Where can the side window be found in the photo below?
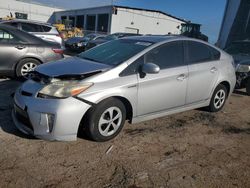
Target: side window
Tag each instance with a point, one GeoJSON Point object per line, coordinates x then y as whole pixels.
{"type": "Point", "coordinates": [46, 28]}
{"type": "Point", "coordinates": [6, 37]}
{"type": "Point", "coordinates": [199, 52]}
{"type": "Point", "coordinates": [31, 27]}
{"type": "Point", "coordinates": [13, 24]}
{"type": "Point", "coordinates": [133, 67]}
{"type": "Point", "coordinates": [167, 56]}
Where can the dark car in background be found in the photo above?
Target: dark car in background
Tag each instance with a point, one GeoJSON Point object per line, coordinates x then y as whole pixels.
{"type": "Point", "coordinates": [78, 44]}
{"type": "Point", "coordinates": [240, 50]}
{"type": "Point", "coordinates": [111, 37]}
{"type": "Point", "coordinates": [22, 52]}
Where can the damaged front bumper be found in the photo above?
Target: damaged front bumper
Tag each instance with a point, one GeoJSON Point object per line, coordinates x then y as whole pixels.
{"type": "Point", "coordinates": [49, 119]}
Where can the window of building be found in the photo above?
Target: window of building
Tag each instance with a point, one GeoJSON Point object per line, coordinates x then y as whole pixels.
{"type": "Point", "coordinates": [63, 19]}
{"type": "Point", "coordinates": [103, 21]}
{"type": "Point", "coordinates": [21, 15]}
{"type": "Point", "coordinates": [91, 22]}
{"type": "Point", "coordinates": [80, 21]}
{"type": "Point", "coordinates": [72, 20]}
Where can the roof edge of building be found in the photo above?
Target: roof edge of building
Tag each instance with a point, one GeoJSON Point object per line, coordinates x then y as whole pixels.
{"type": "Point", "coordinates": [127, 7]}
{"type": "Point", "coordinates": [41, 4]}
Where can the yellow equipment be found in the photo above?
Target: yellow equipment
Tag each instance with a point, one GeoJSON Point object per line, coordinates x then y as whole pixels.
{"type": "Point", "coordinates": [68, 32]}
{"type": "Point", "coordinates": [8, 18]}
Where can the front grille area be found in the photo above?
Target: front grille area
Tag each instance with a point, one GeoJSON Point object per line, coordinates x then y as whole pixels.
{"type": "Point", "coordinates": [22, 117]}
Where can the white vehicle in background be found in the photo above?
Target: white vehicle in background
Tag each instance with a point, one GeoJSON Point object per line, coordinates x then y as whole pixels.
{"type": "Point", "coordinates": [42, 30]}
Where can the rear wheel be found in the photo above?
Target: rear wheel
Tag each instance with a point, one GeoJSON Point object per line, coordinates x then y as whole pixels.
{"type": "Point", "coordinates": [218, 99]}
{"type": "Point", "coordinates": [106, 120]}
{"type": "Point", "coordinates": [248, 87]}
{"type": "Point", "coordinates": [25, 66]}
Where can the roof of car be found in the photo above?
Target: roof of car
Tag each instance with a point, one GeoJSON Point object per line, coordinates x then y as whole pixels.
{"type": "Point", "coordinates": [26, 21]}
{"type": "Point", "coordinates": [21, 34]}
{"type": "Point", "coordinates": [155, 38]}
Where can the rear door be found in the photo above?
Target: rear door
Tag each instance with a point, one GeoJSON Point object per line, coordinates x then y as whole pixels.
{"type": "Point", "coordinates": [203, 62]}
{"type": "Point", "coordinates": [12, 49]}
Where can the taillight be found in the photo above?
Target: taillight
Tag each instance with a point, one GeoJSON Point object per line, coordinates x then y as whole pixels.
{"type": "Point", "coordinates": [58, 50]}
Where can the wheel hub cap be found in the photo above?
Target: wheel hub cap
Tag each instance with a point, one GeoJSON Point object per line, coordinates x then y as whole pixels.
{"type": "Point", "coordinates": [110, 121]}
{"type": "Point", "coordinates": [28, 67]}
{"type": "Point", "coordinates": [219, 99]}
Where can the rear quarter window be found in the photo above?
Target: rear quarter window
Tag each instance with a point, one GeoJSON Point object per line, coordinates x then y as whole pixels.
{"type": "Point", "coordinates": [28, 27]}
{"type": "Point", "coordinates": [46, 28]}
{"type": "Point", "coordinates": [13, 24]}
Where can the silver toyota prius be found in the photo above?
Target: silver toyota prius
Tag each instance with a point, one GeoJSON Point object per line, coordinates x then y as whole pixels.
{"type": "Point", "coordinates": [134, 79]}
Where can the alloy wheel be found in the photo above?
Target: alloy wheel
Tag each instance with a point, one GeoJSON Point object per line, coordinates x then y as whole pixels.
{"type": "Point", "coordinates": [219, 99]}
{"type": "Point", "coordinates": [27, 67]}
{"type": "Point", "coordinates": [110, 121]}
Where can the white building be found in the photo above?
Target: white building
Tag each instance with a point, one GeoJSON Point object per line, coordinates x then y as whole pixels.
{"type": "Point", "coordinates": [111, 19]}
{"type": "Point", "coordinates": [236, 22]}
{"type": "Point", "coordinates": [26, 10]}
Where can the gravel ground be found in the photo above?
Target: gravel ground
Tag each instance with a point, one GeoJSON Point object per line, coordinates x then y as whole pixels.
{"type": "Point", "coordinates": [191, 149]}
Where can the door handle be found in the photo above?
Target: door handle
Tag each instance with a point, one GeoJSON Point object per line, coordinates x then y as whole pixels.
{"type": "Point", "coordinates": [19, 47]}
{"type": "Point", "coordinates": [213, 70]}
{"type": "Point", "coordinates": [181, 77]}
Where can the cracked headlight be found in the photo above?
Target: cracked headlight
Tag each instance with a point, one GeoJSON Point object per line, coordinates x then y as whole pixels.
{"type": "Point", "coordinates": [243, 68]}
{"type": "Point", "coordinates": [63, 89]}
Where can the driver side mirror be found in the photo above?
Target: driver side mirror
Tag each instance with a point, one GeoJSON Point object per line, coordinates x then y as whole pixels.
{"type": "Point", "coordinates": [150, 68]}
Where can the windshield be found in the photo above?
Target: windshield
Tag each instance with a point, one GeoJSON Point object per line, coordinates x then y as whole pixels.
{"type": "Point", "coordinates": [241, 48]}
{"type": "Point", "coordinates": [115, 52]}
{"type": "Point", "coordinates": [111, 37]}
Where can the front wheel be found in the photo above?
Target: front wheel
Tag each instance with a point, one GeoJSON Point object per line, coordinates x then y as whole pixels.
{"type": "Point", "coordinates": [218, 99]}
{"type": "Point", "coordinates": [106, 120]}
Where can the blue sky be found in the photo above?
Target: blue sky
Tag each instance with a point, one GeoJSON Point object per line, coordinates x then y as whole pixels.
{"type": "Point", "coordinates": [209, 13]}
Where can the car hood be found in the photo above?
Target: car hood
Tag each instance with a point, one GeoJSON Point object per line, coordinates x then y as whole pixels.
{"type": "Point", "coordinates": [73, 66]}
{"type": "Point", "coordinates": [75, 40]}
{"type": "Point", "coordinates": [99, 41]}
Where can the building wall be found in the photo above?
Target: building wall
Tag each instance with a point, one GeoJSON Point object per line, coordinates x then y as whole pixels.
{"type": "Point", "coordinates": [35, 11]}
{"type": "Point", "coordinates": [57, 17]}
{"type": "Point", "coordinates": [145, 22]}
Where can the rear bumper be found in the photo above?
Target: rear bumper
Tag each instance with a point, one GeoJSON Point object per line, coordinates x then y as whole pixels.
{"type": "Point", "coordinates": [49, 119]}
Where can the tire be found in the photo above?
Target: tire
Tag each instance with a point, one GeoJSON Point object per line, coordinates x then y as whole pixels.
{"type": "Point", "coordinates": [218, 99]}
{"type": "Point", "coordinates": [248, 87]}
{"type": "Point", "coordinates": [27, 64]}
{"type": "Point", "coordinates": [101, 132]}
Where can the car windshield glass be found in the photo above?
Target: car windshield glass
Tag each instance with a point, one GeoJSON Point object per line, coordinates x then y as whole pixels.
{"type": "Point", "coordinates": [111, 37]}
{"type": "Point", "coordinates": [89, 37]}
{"type": "Point", "coordinates": [239, 48]}
{"type": "Point", "coordinates": [115, 52]}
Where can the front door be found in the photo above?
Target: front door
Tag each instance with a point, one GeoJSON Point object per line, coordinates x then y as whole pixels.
{"type": "Point", "coordinates": [167, 89]}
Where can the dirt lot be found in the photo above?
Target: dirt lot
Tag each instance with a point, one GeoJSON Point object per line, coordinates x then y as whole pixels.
{"type": "Point", "coordinates": [192, 149]}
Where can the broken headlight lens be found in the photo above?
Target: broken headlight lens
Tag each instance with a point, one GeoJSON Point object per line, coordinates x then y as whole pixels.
{"type": "Point", "coordinates": [64, 89]}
